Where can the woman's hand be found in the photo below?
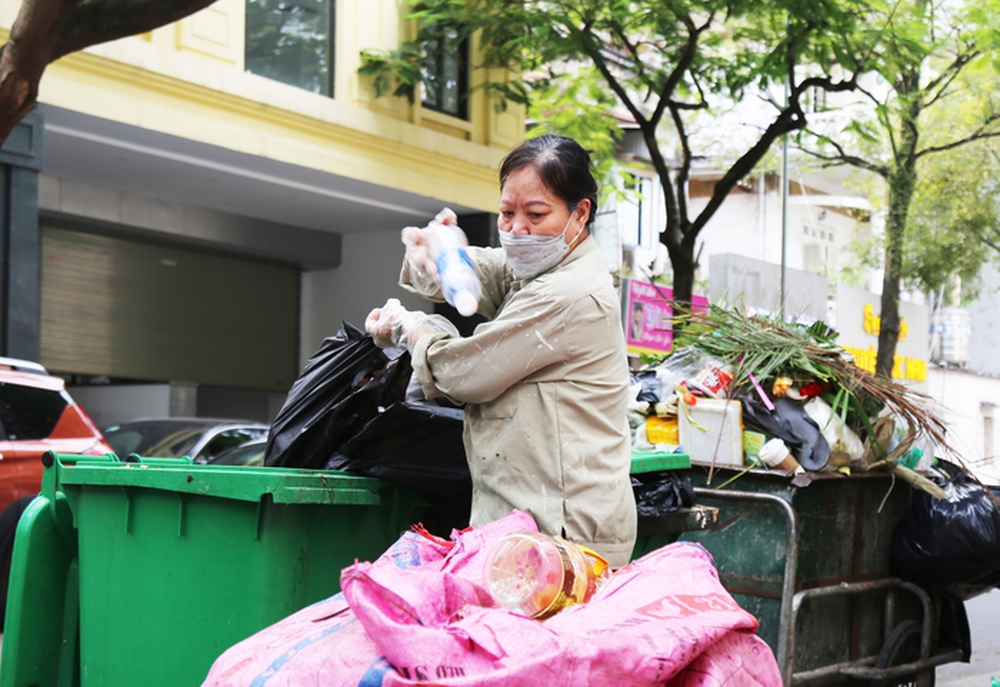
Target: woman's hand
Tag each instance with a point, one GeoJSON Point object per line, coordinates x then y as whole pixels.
{"type": "Point", "coordinates": [393, 326]}
{"type": "Point", "coordinates": [385, 324]}
{"type": "Point", "coordinates": [418, 252]}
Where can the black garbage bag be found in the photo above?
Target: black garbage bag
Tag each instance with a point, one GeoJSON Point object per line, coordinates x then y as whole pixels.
{"type": "Point", "coordinates": [662, 492]}
{"type": "Point", "coordinates": [343, 386]}
{"type": "Point", "coordinates": [950, 544]}
{"type": "Point", "coordinates": [417, 444]}
{"type": "Point", "coordinates": [789, 422]}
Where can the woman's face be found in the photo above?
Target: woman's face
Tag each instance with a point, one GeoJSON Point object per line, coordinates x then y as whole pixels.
{"type": "Point", "coordinates": [528, 206]}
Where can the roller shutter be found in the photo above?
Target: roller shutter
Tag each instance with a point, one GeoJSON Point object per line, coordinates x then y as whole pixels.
{"type": "Point", "coordinates": [140, 310]}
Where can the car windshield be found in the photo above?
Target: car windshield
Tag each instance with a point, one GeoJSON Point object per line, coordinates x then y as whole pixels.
{"type": "Point", "coordinates": [251, 454]}
{"type": "Point", "coordinates": [143, 437]}
{"type": "Point", "coordinates": [201, 440]}
{"type": "Point", "coordinates": [177, 444]}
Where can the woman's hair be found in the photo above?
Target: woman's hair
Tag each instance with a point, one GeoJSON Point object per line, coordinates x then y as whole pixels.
{"type": "Point", "coordinates": [562, 164]}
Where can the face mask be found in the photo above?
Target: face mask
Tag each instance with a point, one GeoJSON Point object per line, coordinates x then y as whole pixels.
{"type": "Point", "coordinates": [528, 255]}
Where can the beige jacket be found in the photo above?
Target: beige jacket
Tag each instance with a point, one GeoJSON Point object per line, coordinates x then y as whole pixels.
{"type": "Point", "coordinates": [545, 384]}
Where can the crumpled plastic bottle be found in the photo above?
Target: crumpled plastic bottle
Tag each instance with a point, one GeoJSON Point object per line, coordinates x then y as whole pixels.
{"type": "Point", "coordinates": [539, 575]}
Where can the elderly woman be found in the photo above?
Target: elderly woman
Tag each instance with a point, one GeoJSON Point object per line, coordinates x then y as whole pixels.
{"type": "Point", "coordinates": [544, 381]}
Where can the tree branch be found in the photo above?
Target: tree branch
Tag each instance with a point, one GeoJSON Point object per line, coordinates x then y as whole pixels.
{"type": "Point", "coordinates": [979, 135]}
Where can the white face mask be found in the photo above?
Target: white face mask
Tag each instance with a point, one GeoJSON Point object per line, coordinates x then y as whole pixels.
{"type": "Point", "coordinates": [528, 255]}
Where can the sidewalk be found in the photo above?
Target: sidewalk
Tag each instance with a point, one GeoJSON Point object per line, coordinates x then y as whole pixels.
{"type": "Point", "coordinates": [984, 624]}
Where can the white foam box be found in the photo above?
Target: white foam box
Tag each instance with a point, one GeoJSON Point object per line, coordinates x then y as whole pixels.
{"type": "Point", "coordinates": [723, 440]}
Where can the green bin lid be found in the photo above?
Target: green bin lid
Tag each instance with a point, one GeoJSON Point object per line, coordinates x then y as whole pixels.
{"type": "Point", "coordinates": [285, 485]}
{"type": "Point", "coordinates": [653, 461]}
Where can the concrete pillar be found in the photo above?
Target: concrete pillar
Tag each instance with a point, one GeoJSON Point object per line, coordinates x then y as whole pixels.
{"type": "Point", "coordinates": [20, 240]}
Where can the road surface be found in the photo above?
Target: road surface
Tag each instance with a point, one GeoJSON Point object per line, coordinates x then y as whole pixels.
{"type": "Point", "coordinates": [984, 623]}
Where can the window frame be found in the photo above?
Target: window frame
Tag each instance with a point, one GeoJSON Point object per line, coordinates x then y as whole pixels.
{"type": "Point", "coordinates": [437, 59]}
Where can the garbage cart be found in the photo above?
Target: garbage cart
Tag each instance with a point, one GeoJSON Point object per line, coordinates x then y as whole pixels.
{"type": "Point", "coordinates": [811, 562]}
{"type": "Point", "coordinates": [143, 572]}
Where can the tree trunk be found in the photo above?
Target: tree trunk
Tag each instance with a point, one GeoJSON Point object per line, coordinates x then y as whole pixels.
{"type": "Point", "coordinates": [902, 181]}
{"type": "Point", "coordinates": [900, 194]}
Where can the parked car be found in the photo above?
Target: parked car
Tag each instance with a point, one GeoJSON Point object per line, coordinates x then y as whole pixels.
{"type": "Point", "coordinates": [200, 438]}
{"type": "Point", "coordinates": [250, 454]}
{"type": "Point", "coordinates": [37, 415]}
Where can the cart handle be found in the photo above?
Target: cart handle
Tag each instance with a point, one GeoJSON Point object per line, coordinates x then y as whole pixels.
{"type": "Point", "coordinates": [787, 620]}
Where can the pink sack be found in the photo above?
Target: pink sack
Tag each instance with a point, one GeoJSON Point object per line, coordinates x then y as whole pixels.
{"type": "Point", "coordinates": [663, 619]}
{"type": "Point", "coordinates": [419, 615]}
{"type": "Point", "coordinates": [324, 645]}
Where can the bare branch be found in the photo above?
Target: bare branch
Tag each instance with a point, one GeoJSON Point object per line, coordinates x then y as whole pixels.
{"type": "Point", "coordinates": [843, 158]}
{"type": "Point", "coordinates": [979, 135]}
{"type": "Point", "coordinates": [947, 77]}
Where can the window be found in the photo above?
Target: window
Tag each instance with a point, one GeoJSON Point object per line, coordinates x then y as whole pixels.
{"type": "Point", "coordinates": [642, 213]}
{"type": "Point", "coordinates": [29, 413]}
{"type": "Point", "coordinates": [292, 41]}
{"type": "Point", "coordinates": [446, 72]}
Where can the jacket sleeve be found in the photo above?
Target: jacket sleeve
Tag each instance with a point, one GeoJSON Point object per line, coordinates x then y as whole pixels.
{"type": "Point", "coordinates": [528, 337]}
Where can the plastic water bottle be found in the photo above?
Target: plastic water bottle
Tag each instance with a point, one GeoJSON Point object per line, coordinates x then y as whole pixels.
{"type": "Point", "coordinates": [447, 244]}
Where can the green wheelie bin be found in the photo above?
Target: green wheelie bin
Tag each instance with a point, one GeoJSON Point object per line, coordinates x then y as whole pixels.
{"type": "Point", "coordinates": [143, 572]}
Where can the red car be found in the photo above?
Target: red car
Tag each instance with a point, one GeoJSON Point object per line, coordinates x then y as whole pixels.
{"type": "Point", "coordinates": [37, 415]}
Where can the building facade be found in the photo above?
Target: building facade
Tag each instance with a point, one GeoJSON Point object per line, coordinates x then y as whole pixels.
{"type": "Point", "coordinates": [196, 208]}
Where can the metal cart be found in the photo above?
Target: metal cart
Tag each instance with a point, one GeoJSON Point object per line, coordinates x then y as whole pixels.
{"type": "Point", "coordinates": [811, 562]}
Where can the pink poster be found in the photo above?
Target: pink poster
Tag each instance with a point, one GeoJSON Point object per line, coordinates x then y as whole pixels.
{"type": "Point", "coordinates": [648, 316]}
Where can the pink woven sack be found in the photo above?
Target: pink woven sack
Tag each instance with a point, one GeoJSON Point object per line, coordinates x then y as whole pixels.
{"type": "Point", "coordinates": [419, 615]}
{"type": "Point", "coordinates": [652, 623]}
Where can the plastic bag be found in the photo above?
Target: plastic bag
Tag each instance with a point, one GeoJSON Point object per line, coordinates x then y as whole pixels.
{"type": "Point", "coordinates": [341, 388]}
{"type": "Point", "coordinates": [418, 445]}
{"type": "Point", "coordinates": [659, 493]}
{"type": "Point", "coordinates": [953, 543]}
{"type": "Point", "coordinates": [845, 446]}
{"type": "Point", "coordinates": [790, 422]}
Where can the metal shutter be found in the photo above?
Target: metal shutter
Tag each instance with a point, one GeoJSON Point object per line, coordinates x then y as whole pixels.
{"type": "Point", "coordinates": [147, 311]}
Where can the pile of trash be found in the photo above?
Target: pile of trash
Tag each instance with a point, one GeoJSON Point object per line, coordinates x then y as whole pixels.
{"type": "Point", "coordinates": [749, 392]}
{"type": "Point", "coordinates": [754, 391]}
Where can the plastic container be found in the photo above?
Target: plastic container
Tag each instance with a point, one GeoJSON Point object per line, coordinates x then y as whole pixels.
{"type": "Point", "coordinates": [538, 575]}
{"type": "Point", "coordinates": [447, 244]}
{"type": "Point", "coordinates": [711, 431]}
{"type": "Point", "coordinates": [662, 430]}
{"type": "Point", "coordinates": [153, 569]}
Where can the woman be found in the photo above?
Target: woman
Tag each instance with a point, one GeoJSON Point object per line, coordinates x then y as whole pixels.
{"type": "Point", "coordinates": [545, 380]}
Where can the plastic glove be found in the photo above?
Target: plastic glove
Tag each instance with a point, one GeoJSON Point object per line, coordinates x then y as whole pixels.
{"type": "Point", "coordinates": [423, 268]}
{"type": "Point", "coordinates": [392, 324]}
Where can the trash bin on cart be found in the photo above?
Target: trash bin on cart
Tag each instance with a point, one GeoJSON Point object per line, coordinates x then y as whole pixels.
{"type": "Point", "coordinates": [812, 564]}
{"type": "Point", "coordinates": [142, 573]}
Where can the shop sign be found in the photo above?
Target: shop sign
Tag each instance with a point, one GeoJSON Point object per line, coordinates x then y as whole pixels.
{"type": "Point", "coordinates": [648, 316]}
{"type": "Point", "coordinates": [859, 323]}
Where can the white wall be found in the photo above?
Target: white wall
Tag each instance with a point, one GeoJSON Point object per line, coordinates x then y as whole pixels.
{"type": "Point", "coordinates": [108, 405]}
{"type": "Point", "coordinates": [746, 224]}
{"type": "Point", "coordinates": [962, 396]}
{"type": "Point", "coordinates": [367, 277]}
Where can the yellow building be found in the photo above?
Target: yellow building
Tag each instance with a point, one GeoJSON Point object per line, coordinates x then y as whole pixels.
{"type": "Point", "coordinates": [213, 198]}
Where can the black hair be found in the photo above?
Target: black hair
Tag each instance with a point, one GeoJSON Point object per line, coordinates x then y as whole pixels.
{"type": "Point", "coordinates": [562, 164]}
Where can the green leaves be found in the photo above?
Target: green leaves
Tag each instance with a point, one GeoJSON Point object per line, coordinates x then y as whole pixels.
{"type": "Point", "coordinates": [396, 70]}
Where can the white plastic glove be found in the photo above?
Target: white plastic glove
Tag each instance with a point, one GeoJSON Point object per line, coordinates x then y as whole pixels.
{"type": "Point", "coordinates": [392, 324]}
{"type": "Point", "coordinates": [423, 269]}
